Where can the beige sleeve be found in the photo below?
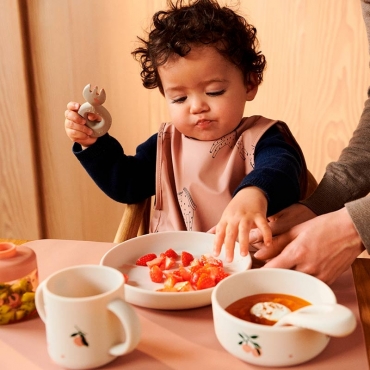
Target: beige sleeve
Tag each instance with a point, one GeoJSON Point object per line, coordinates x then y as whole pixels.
{"type": "Point", "coordinates": [359, 210]}
{"type": "Point", "coordinates": [348, 178]}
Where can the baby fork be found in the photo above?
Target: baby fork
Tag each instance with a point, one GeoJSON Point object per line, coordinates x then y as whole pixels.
{"type": "Point", "coordinates": [94, 101]}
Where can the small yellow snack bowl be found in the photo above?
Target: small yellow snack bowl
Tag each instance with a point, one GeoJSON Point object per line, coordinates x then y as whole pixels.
{"type": "Point", "coordinates": [18, 283]}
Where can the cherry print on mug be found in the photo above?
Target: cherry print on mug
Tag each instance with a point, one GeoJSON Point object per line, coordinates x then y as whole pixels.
{"type": "Point", "coordinates": [79, 338]}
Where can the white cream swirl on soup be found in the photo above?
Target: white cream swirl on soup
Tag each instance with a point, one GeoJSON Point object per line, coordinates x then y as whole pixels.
{"type": "Point", "coordinates": [269, 310]}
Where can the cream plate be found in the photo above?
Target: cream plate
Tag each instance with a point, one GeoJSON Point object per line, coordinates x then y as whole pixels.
{"type": "Point", "coordinates": [141, 291]}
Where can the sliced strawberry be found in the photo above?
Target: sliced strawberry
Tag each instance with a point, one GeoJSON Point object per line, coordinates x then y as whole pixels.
{"type": "Point", "coordinates": [184, 273]}
{"type": "Point", "coordinates": [194, 268]}
{"type": "Point", "coordinates": [167, 263]}
{"type": "Point", "coordinates": [155, 262]}
{"type": "Point", "coordinates": [146, 258]}
{"type": "Point", "coordinates": [167, 289]}
{"type": "Point", "coordinates": [222, 274]}
{"type": "Point", "coordinates": [212, 271]}
{"type": "Point", "coordinates": [202, 260]}
{"type": "Point", "coordinates": [172, 279]}
{"type": "Point", "coordinates": [191, 273]}
{"type": "Point", "coordinates": [196, 271]}
{"type": "Point", "coordinates": [170, 282]}
{"type": "Point", "coordinates": [183, 286]}
{"type": "Point", "coordinates": [186, 258]}
{"type": "Point", "coordinates": [195, 262]}
{"type": "Point", "coordinates": [171, 253]}
{"type": "Point", "coordinates": [156, 274]}
{"type": "Point", "coordinates": [177, 275]}
{"type": "Point", "coordinates": [210, 260]}
{"type": "Point", "coordinates": [205, 281]}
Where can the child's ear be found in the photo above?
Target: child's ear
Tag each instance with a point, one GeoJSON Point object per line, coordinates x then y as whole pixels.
{"type": "Point", "coordinates": [251, 85]}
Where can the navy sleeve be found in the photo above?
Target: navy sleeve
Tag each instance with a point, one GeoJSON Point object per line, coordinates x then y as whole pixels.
{"type": "Point", "coordinates": [124, 178]}
{"type": "Point", "coordinates": [277, 169]}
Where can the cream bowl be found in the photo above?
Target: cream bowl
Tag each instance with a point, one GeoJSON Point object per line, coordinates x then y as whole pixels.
{"type": "Point", "coordinates": [268, 345]}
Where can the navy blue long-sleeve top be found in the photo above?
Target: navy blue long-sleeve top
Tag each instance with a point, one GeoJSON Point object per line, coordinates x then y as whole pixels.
{"type": "Point", "coordinates": [131, 178]}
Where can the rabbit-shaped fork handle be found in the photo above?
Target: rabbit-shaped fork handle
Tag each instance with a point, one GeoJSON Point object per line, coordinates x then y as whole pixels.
{"type": "Point", "coordinates": [94, 101]}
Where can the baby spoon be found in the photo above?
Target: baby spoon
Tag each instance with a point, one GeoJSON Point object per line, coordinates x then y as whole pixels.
{"type": "Point", "coordinates": [334, 320]}
{"type": "Point", "coordinates": [94, 101]}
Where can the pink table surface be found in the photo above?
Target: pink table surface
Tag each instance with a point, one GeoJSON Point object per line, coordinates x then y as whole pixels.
{"type": "Point", "coordinates": [170, 339]}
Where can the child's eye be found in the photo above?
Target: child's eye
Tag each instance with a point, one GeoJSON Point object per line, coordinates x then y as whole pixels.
{"type": "Point", "coordinates": [179, 100]}
{"type": "Point", "coordinates": [216, 93]}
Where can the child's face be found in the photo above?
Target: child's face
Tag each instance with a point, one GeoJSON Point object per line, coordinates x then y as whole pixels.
{"type": "Point", "coordinates": [205, 93]}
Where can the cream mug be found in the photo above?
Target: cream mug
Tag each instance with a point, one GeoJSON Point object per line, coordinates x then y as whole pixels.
{"type": "Point", "coordinates": [88, 323]}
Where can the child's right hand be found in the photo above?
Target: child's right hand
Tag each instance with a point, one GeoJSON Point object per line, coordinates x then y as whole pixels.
{"type": "Point", "coordinates": [75, 125]}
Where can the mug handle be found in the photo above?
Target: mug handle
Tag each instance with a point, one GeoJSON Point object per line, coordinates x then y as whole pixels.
{"type": "Point", "coordinates": [39, 301]}
{"type": "Point", "coordinates": [131, 325]}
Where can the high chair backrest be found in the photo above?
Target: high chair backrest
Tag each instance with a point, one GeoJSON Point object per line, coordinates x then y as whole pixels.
{"type": "Point", "coordinates": [134, 222]}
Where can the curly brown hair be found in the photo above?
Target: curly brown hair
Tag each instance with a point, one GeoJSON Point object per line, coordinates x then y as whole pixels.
{"type": "Point", "coordinates": [199, 22]}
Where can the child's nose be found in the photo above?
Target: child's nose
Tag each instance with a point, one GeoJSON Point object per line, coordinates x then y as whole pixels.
{"type": "Point", "coordinates": [198, 105]}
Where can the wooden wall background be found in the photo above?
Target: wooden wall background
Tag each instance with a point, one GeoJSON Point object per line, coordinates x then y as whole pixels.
{"type": "Point", "coordinates": [316, 81]}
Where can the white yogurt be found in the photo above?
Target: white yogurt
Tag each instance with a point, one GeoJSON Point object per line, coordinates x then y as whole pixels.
{"type": "Point", "coordinates": [269, 310]}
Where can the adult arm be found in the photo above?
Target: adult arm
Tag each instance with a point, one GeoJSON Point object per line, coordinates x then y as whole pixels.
{"type": "Point", "coordinates": [345, 180]}
{"type": "Point", "coordinates": [348, 178]}
{"type": "Point", "coordinates": [326, 245]}
{"type": "Point", "coordinates": [345, 184]}
{"type": "Point", "coordinates": [359, 211]}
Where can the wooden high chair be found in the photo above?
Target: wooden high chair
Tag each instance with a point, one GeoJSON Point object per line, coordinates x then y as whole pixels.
{"type": "Point", "coordinates": [134, 222]}
{"type": "Point", "coordinates": [136, 217]}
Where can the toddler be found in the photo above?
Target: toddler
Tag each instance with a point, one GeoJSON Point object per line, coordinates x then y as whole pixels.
{"type": "Point", "coordinates": [210, 168]}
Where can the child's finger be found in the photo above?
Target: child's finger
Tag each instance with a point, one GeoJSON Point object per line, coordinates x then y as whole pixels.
{"type": "Point", "coordinates": [74, 123]}
{"type": "Point", "coordinates": [73, 106]}
{"type": "Point", "coordinates": [76, 128]}
{"type": "Point", "coordinates": [243, 238]}
{"type": "Point", "coordinates": [73, 117]}
{"type": "Point", "coordinates": [219, 239]}
{"type": "Point", "coordinates": [265, 230]}
{"type": "Point", "coordinates": [231, 235]}
{"type": "Point", "coordinates": [212, 230]}
{"type": "Point", "coordinates": [93, 117]}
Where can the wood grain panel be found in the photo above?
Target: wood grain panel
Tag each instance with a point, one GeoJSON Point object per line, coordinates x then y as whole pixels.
{"type": "Point", "coordinates": [76, 43]}
{"type": "Point", "coordinates": [316, 81]}
{"type": "Point", "coordinates": [317, 74]}
{"type": "Point", "coordinates": [19, 203]}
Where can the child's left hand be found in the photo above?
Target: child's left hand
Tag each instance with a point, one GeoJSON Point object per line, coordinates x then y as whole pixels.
{"type": "Point", "coordinates": [245, 211]}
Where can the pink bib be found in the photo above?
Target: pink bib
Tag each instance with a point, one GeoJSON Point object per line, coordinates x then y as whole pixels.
{"type": "Point", "coordinates": [195, 179]}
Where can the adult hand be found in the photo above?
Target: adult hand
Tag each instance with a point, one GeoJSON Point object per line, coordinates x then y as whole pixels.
{"type": "Point", "coordinates": [245, 211]}
{"type": "Point", "coordinates": [283, 221]}
{"type": "Point", "coordinates": [324, 246]}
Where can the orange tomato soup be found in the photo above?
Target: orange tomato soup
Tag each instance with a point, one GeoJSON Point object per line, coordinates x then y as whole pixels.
{"type": "Point", "coordinates": [242, 307]}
